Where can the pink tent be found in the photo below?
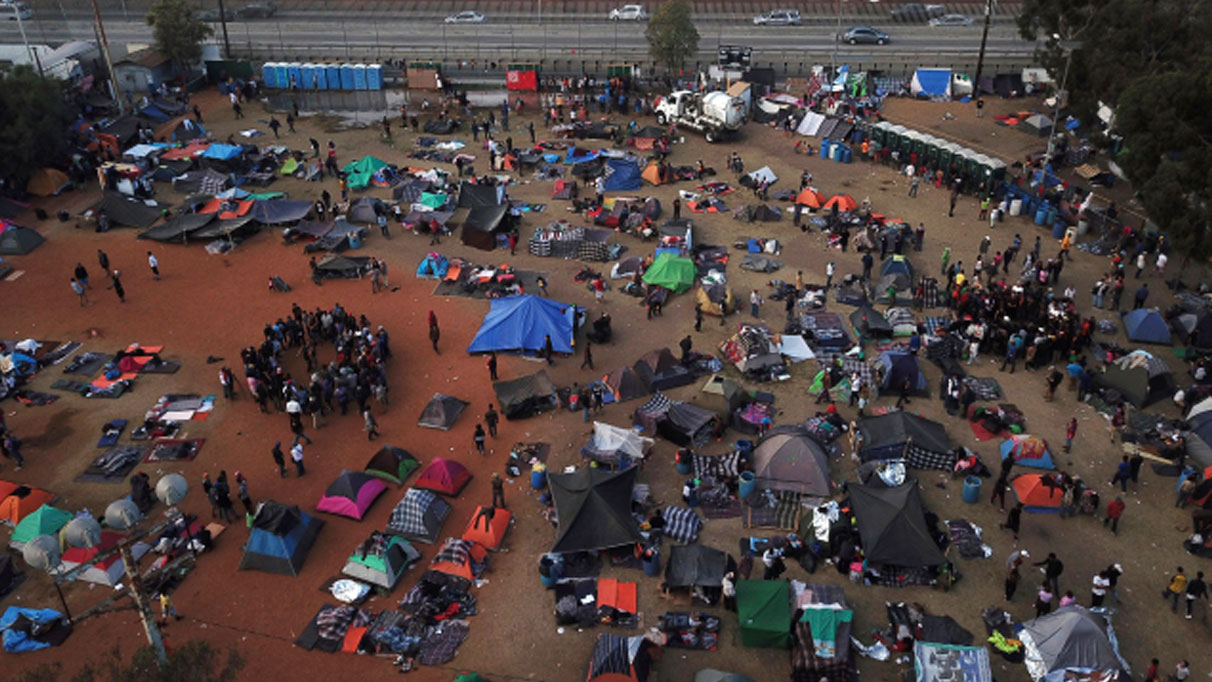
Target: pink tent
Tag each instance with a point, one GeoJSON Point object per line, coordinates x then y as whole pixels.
{"type": "Point", "coordinates": [351, 494]}
{"type": "Point", "coordinates": [444, 476]}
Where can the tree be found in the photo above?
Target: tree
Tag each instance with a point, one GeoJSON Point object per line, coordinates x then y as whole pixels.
{"type": "Point", "coordinates": [672, 37]}
{"type": "Point", "coordinates": [178, 33]}
{"type": "Point", "coordinates": [34, 119]}
{"type": "Point", "coordinates": [192, 662]}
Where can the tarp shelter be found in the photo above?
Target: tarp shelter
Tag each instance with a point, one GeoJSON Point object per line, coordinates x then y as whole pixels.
{"type": "Point", "coordinates": [756, 177]}
{"type": "Point", "coordinates": [392, 464]}
{"type": "Point", "coordinates": [660, 371]}
{"type": "Point", "coordinates": [1039, 493]}
{"type": "Point", "coordinates": [32, 629]}
{"type": "Point", "coordinates": [16, 240]}
{"type": "Point", "coordinates": [763, 610]}
{"type": "Point", "coordinates": [687, 425]}
{"type": "Point", "coordinates": [764, 213]}
{"type": "Point", "coordinates": [710, 296]}
{"type": "Point", "coordinates": [672, 272]}
{"type": "Point", "coordinates": [382, 563]}
{"type": "Point", "coordinates": [441, 412]}
{"type": "Point", "coordinates": [1029, 451]}
{"type": "Point", "coordinates": [418, 516]}
{"type": "Point", "coordinates": [924, 443]}
{"type": "Point", "coordinates": [593, 508]}
{"type": "Point", "coordinates": [351, 494]}
{"type": "Point", "coordinates": [622, 175]}
{"type": "Point", "coordinates": [1038, 123]}
{"type": "Point", "coordinates": [1072, 640]}
{"type": "Point", "coordinates": [933, 662]}
{"type": "Point", "coordinates": [695, 566]}
{"type": "Point", "coordinates": [1140, 377]}
{"type": "Point", "coordinates": [625, 384]}
{"type": "Point", "coordinates": [358, 173]}
{"type": "Point", "coordinates": [522, 324]}
{"type": "Point", "coordinates": [222, 152]}
{"type": "Point", "coordinates": [526, 396]}
{"type": "Point", "coordinates": [179, 228]}
{"type": "Point", "coordinates": [870, 323]}
{"type": "Point", "coordinates": [129, 212]}
{"type": "Point", "coordinates": [274, 211]}
{"type": "Point", "coordinates": [488, 530]}
{"type": "Point", "coordinates": [610, 443]}
{"type": "Point", "coordinates": [892, 525]}
{"type": "Point", "coordinates": [47, 182]}
{"type": "Point", "coordinates": [444, 476]}
{"type": "Point", "coordinates": [481, 225]}
{"type": "Point", "coordinates": [280, 539]}
{"type": "Point", "coordinates": [1195, 328]}
{"type": "Point", "coordinates": [108, 571]}
{"type": "Point", "coordinates": [21, 502]}
{"type": "Point", "coordinates": [45, 520]}
{"type": "Point", "coordinates": [810, 124]}
{"type": "Point", "coordinates": [203, 181]}
{"type": "Point", "coordinates": [1146, 325]}
{"type": "Point", "coordinates": [931, 83]}
{"type": "Point", "coordinates": [472, 195]}
{"type": "Point", "coordinates": [901, 366]}
{"type": "Point", "coordinates": [791, 461]}
{"type": "Point", "coordinates": [897, 264]}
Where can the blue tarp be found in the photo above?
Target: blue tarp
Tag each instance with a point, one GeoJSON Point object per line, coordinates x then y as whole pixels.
{"type": "Point", "coordinates": [222, 151]}
{"type": "Point", "coordinates": [622, 176]}
{"type": "Point", "coordinates": [575, 155]}
{"type": "Point", "coordinates": [522, 323]}
{"type": "Point", "coordinates": [279, 211]}
{"type": "Point", "coordinates": [16, 641]}
{"type": "Point", "coordinates": [433, 266]}
{"type": "Point", "coordinates": [154, 113]}
{"type": "Point", "coordinates": [1146, 326]}
{"type": "Point", "coordinates": [932, 82]}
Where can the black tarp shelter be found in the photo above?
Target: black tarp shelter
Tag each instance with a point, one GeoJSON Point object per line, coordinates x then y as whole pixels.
{"type": "Point", "coordinates": [892, 525]}
{"type": "Point", "coordinates": [526, 396]}
{"type": "Point", "coordinates": [593, 507]}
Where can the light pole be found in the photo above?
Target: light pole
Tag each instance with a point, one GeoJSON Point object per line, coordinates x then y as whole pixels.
{"type": "Point", "coordinates": [33, 55]}
{"type": "Point", "coordinates": [109, 62]}
{"type": "Point", "coordinates": [980, 60]}
{"type": "Point", "coordinates": [837, 37]}
{"type": "Point", "coordinates": [1068, 48]}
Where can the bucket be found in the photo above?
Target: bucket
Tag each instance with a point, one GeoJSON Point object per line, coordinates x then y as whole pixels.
{"type": "Point", "coordinates": [1016, 207]}
{"type": "Point", "coordinates": [684, 468]}
{"type": "Point", "coordinates": [746, 486]}
{"type": "Point", "coordinates": [972, 489]}
{"type": "Point", "coordinates": [538, 479]}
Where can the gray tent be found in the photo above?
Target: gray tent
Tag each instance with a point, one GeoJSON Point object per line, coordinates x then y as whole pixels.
{"type": "Point", "coordinates": [625, 384]}
{"type": "Point", "coordinates": [593, 507]}
{"type": "Point", "coordinates": [892, 525]}
{"type": "Point", "coordinates": [892, 435]}
{"type": "Point", "coordinates": [898, 281]}
{"type": "Point", "coordinates": [792, 461]}
{"type": "Point", "coordinates": [418, 516]}
{"type": "Point", "coordinates": [1039, 124]}
{"type": "Point", "coordinates": [870, 323]}
{"type": "Point", "coordinates": [124, 212]}
{"type": "Point", "coordinates": [364, 211]}
{"type": "Point", "coordinates": [1140, 377]}
{"type": "Point", "coordinates": [441, 412]}
{"type": "Point", "coordinates": [695, 566]}
{"type": "Point", "coordinates": [18, 241]}
{"type": "Point", "coordinates": [526, 396]}
{"type": "Point", "coordinates": [1071, 638]}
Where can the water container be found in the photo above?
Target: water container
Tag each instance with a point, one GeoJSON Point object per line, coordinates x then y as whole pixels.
{"type": "Point", "coordinates": [269, 75]}
{"type": "Point", "coordinates": [347, 77]}
{"type": "Point", "coordinates": [836, 152]}
{"type": "Point", "coordinates": [652, 567]}
{"type": "Point", "coordinates": [359, 76]}
{"type": "Point", "coordinates": [355, 240]}
{"type": "Point", "coordinates": [1041, 214]}
{"type": "Point", "coordinates": [1016, 207]}
{"type": "Point", "coordinates": [332, 76]}
{"type": "Point", "coordinates": [1058, 229]}
{"type": "Point", "coordinates": [847, 154]}
{"type": "Point", "coordinates": [1083, 226]}
{"type": "Point", "coordinates": [374, 77]}
{"type": "Point", "coordinates": [825, 148]}
{"type": "Point", "coordinates": [684, 468]}
{"type": "Point", "coordinates": [547, 581]}
{"type": "Point", "coordinates": [744, 448]}
{"type": "Point", "coordinates": [746, 486]}
{"type": "Point", "coordinates": [538, 478]}
{"type": "Point", "coordinates": [972, 489]}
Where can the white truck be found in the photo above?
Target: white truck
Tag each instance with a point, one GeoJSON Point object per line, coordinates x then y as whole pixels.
{"type": "Point", "coordinates": [715, 114]}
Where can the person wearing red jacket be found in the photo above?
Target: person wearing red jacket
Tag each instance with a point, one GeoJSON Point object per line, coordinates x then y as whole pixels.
{"type": "Point", "coordinates": [1115, 509]}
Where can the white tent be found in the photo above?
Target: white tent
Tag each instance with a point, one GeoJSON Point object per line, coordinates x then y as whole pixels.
{"type": "Point", "coordinates": [810, 124]}
{"type": "Point", "coordinates": [607, 438]}
{"type": "Point", "coordinates": [795, 348]}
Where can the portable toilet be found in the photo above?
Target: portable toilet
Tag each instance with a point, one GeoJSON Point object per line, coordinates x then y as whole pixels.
{"type": "Point", "coordinates": [946, 152]}
{"type": "Point", "coordinates": [332, 76]}
{"type": "Point", "coordinates": [911, 142]}
{"type": "Point", "coordinates": [896, 137]}
{"type": "Point", "coordinates": [294, 69]}
{"type": "Point", "coordinates": [359, 76]}
{"type": "Point", "coordinates": [930, 145]}
{"type": "Point", "coordinates": [347, 77]}
{"type": "Point", "coordinates": [283, 79]}
{"type": "Point", "coordinates": [879, 133]}
{"type": "Point", "coordinates": [997, 174]}
{"type": "Point", "coordinates": [307, 77]}
{"type": "Point", "coordinates": [269, 75]}
{"type": "Point", "coordinates": [374, 77]}
{"type": "Point", "coordinates": [319, 77]}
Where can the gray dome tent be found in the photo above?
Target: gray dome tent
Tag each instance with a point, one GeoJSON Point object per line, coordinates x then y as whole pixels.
{"type": "Point", "coordinates": [1071, 638]}
{"type": "Point", "coordinates": [441, 412]}
{"type": "Point", "coordinates": [18, 241]}
{"type": "Point", "coordinates": [791, 461]}
{"type": "Point", "coordinates": [1140, 377]}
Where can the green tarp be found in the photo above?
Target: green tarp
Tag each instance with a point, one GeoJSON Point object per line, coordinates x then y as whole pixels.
{"type": "Point", "coordinates": [265, 196]}
{"type": "Point", "coordinates": [47, 520]}
{"type": "Point", "coordinates": [763, 609]}
{"type": "Point", "coordinates": [361, 171]}
{"type": "Point", "coordinates": [290, 167]}
{"type": "Point", "coordinates": [433, 199]}
{"type": "Point", "coordinates": [672, 272]}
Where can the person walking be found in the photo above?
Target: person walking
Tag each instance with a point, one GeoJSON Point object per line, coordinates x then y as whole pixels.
{"type": "Point", "coordinates": [279, 459]}
{"type": "Point", "coordinates": [369, 425]}
{"type": "Point", "coordinates": [478, 438]}
{"type": "Point", "coordinates": [1197, 591]}
{"type": "Point", "coordinates": [826, 384]}
{"type": "Point", "coordinates": [755, 303]}
{"type": "Point", "coordinates": [1000, 486]}
{"type": "Point", "coordinates": [434, 335]}
{"type": "Point", "coordinates": [1053, 568]}
{"type": "Point", "coordinates": [81, 274]}
{"type": "Point", "coordinates": [548, 349]}
{"type": "Point", "coordinates": [492, 366]}
{"type": "Point", "coordinates": [1176, 588]}
{"type": "Point", "coordinates": [154, 264]}
{"type": "Point", "coordinates": [78, 289]}
{"type": "Point", "coordinates": [1099, 586]}
{"type": "Point", "coordinates": [917, 180]}
{"type": "Point", "coordinates": [242, 493]}
{"type": "Point", "coordinates": [491, 418]}
{"type": "Point", "coordinates": [103, 261]}
{"type": "Point", "coordinates": [274, 125]}
{"type": "Point", "coordinates": [946, 258]}
{"type": "Point", "coordinates": [1043, 600]}
{"type": "Point", "coordinates": [698, 317]}
{"type": "Point", "coordinates": [1013, 576]}
{"type": "Point", "coordinates": [1070, 433]}
{"type": "Point", "coordinates": [1123, 473]}
{"type": "Point", "coordinates": [12, 448]}
{"type": "Point", "coordinates": [829, 270]}
{"type": "Point", "coordinates": [498, 492]}
{"type": "Point", "coordinates": [223, 498]}
{"type": "Point", "coordinates": [1115, 509]}
{"type": "Point", "coordinates": [1138, 299]}
{"type": "Point", "coordinates": [588, 359]}
{"type": "Point", "coordinates": [167, 608]}
{"type": "Point", "coordinates": [954, 198]}
{"type": "Point", "coordinates": [296, 456]}
{"type": "Point", "coordinates": [1014, 520]}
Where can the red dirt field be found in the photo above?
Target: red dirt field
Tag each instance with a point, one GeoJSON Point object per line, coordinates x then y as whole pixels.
{"type": "Point", "coordinates": [214, 305]}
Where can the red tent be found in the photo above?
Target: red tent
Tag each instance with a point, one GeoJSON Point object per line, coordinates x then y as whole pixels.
{"type": "Point", "coordinates": [444, 476]}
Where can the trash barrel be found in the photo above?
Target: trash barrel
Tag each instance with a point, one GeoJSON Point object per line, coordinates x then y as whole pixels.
{"type": "Point", "coordinates": [744, 448]}
{"type": "Point", "coordinates": [1041, 214]}
{"type": "Point", "coordinates": [825, 148]}
{"type": "Point", "coordinates": [1058, 229]}
{"type": "Point", "coordinates": [538, 478]}
{"type": "Point", "coordinates": [1016, 207]}
{"type": "Point", "coordinates": [684, 468]}
{"type": "Point", "coordinates": [972, 489]}
{"type": "Point", "coordinates": [747, 485]}
{"type": "Point", "coordinates": [355, 242]}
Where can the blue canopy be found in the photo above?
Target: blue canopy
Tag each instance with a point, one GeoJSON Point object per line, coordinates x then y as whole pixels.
{"type": "Point", "coordinates": [931, 82]}
{"type": "Point", "coordinates": [16, 641]}
{"type": "Point", "coordinates": [576, 155]}
{"type": "Point", "coordinates": [1146, 326]}
{"type": "Point", "coordinates": [154, 113]}
{"type": "Point", "coordinates": [622, 175]}
{"type": "Point", "coordinates": [522, 323]}
{"type": "Point", "coordinates": [222, 151]}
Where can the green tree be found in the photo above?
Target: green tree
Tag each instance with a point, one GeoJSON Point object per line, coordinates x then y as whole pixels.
{"type": "Point", "coordinates": [177, 32]}
{"type": "Point", "coordinates": [672, 37]}
{"type": "Point", "coordinates": [34, 118]}
{"type": "Point", "coordinates": [194, 661]}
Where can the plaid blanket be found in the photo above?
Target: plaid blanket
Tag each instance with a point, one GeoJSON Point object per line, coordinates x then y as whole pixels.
{"type": "Point", "coordinates": [828, 330]}
{"type": "Point", "coordinates": [456, 552]}
{"type": "Point", "coordinates": [682, 524]}
{"type": "Point", "coordinates": [918, 458]}
{"type": "Point", "coordinates": [821, 430]}
{"type": "Point", "coordinates": [985, 389]}
{"type": "Point", "coordinates": [657, 405]}
{"type": "Point", "coordinates": [442, 643]}
{"type": "Point", "coordinates": [717, 466]}
{"type": "Point", "coordinates": [806, 666]}
{"type": "Point", "coordinates": [934, 323]}
{"type": "Point", "coordinates": [933, 298]}
{"type": "Point", "coordinates": [771, 509]}
{"type": "Point", "coordinates": [334, 623]}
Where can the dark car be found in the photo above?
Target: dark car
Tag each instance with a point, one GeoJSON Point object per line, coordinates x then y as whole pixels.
{"type": "Point", "coordinates": [918, 12]}
{"type": "Point", "coordinates": [213, 15]}
{"type": "Point", "coordinates": [865, 34]}
{"type": "Point", "coordinates": [257, 10]}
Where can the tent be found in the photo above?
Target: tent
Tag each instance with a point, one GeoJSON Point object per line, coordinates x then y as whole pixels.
{"type": "Point", "coordinates": [459, 558]}
{"type": "Point", "coordinates": [870, 323]}
{"type": "Point", "coordinates": [444, 476]}
{"type": "Point", "coordinates": [687, 425]}
{"type": "Point", "coordinates": [764, 213]}
{"type": "Point", "coordinates": [47, 182]}
{"type": "Point", "coordinates": [204, 181]}
{"type": "Point", "coordinates": [32, 629]}
{"type": "Point", "coordinates": [792, 461]}
{"type": "Point", "coordinates": [16, 240]}
{"type": "Point", "coordinates": [621, 659]}
{"type": "Point", "coordinates": [1140, 377]}
{"type": "Point", "coordinates": [361, 171]}
{"type": "Point", "coordinates": [593, 508]}
{"type": "Point", "coordinates": [897, 264]}
{"type": "Point", "coordinates": [129, 212]}
{"type": "Point", "coordinates": [710, 296]}
{"type": "Point", "coordinates": [22, 502]}
{"type": "Point", "coordinates": [931, 83]}
{"type": "Point", "coordinates": [481, 225]}
{"type": "Point", "coordinates": [108, 571]}
{"type": "Point", "coordinates": [1072, 639]}
{"type": "Point", "coordinates": [901, 366]}
{"type": "Point", "coordinates": [672, 272]}
{"type": "Point", "coordinates": [418, 516]}
{"type": "Point", "coordinates": [609, 444]}
{"type": "Point", "coordinates": [522, 324]}
{"type": "Point", "coordinates": [275, 211]}
{"type": "Point", "coordinates": [713, 675]}
{"type": "Point", "coordinates": [392, 464]}
{"type": "Point", "coordinates": [1038, 492]}
{"type": "Point", "coordinates": [472, 195]}
{"type": "Point", "coordinates": [922, 442]}
{"type": "Point", "coordinates": [45, 520]}
{"type": "Point", "coordinates": [1194, 328]}
{"type": "Point", "coordinates": [842, 203]}
{"type": "Point", "coordinates": [441, 412]}
{"type": "Point", "coordinates": [179, 228]}
{"type": "Point", "coordinates": [526, 396]}
{"type": "Point", "coordinates": [564, 189]}
{"type": "Point", "coordinates": [897, 283]}
{"type": "Point", "coordinates": [763, 611]}
{"type": "Point", "coordinates": [625, 384]}
{"type": "Point", "coordinates": [622, 175]}
{"type": "Point", "coordinates": [695, 566]}
{"type": "Point", "coordinates": [381, 563]}
{"type": "Point", "coordinates": [488, 531]}
{"type": "Point", "coordinates": [660, 371]}
{"type": "Point", "coordinates": [892, 525]}
{"type": "Point", "coordinates": [652, 173]}
{"type": "Point", "coordinates": [1029, 451]}
{"type": "Point", "coordinates": [280, 539]}
{"type": "Point", "coordinates": [811, 198]}
{"type": "Point", "coordinates": [365, 211]}
{"type": "Point", "coordinates": [351, 494]}
{"type": "Point", "coordinates": [1146, 325]}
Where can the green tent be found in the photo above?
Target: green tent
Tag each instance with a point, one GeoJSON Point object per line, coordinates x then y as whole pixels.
{"type": "Point", "coordinates": [470, 677]}
{"type": "Point", "coordinates": [763, 609]}
{"type": "Point", "coordinates": [46, 520]}
{"type": "Point", "coordinates": [290, 167]}
{"type": "Point", "coordinates": [392, 464]}
{"type": "Point", "coordinates": [361, 171]}
{"type": "Point", "coordinates": [433, 199]}
{"type": "Point", "coordinates": [672, 272]}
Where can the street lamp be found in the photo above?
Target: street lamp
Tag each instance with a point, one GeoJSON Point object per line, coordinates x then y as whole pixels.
{"type": "Point", "coordinates": [1068, 47]}
{"type": "Point", "coordinates": [33, 54]}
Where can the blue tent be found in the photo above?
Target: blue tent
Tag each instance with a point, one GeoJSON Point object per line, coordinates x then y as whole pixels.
{"type": "Point", "coordinates": [576, 155]}
{"type": "Point", "coordinates": [897, 265]}
{"type": "Point", "coordinates": [522, 323]}
{"type": "Point", "coordinates": [17, 641]}
{"type": "Point", "coordinates": [1146, 326]}
{"type": "Point", "coordinates": [280, 539]}
{"type": "Point", "coordinates": [155, 113]}
{"type": "Point", "coordinates": [1029, 451]}
{"type": "Point", "coordinates": [622, 175]}
{"type": "Point", "coordinates": [931, 82]}
{"type": "Point", "coordinates": [898, 366]}
{"type": "Point", "coordinates": [222, 152]}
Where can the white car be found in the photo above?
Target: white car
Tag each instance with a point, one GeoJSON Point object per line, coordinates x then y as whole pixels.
{"type": "Point", "coordinates": [951, 20]}
{"type": "Point", "coordinates": [466, 17]}
{"type": "Point", "coordinates": [779, 17]}
{"type": "Point", "coordinates": [15, 10]}
{"type": "Point", "coordinates": [628, 13]}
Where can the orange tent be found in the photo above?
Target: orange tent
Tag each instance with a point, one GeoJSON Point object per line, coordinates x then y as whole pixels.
{"type": "Point", "coordinates": [46, 182]}
{"type": "Point", "coordinates": [7, 488]}
{"type": "Point", "coordinates": [652, 173]}
{"type": "Point", "coordinates": [22, 502]}
{"type": "Point", "coordinates": [488, 532]}
{"type": "Point", "coordinates": [454, 561]}
{"type": "Point", "coordinates": [1038, 492]}
{"type": "Point", "coordinates": [843, 203]}
{"type": "Point", "coordinates": [810, 198]}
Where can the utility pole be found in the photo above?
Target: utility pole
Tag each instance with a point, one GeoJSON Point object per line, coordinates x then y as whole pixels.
{"type": "Point", "coordinates": [980, 61]}
{"type": "Point", "coordinates": [223, 22]}
{"type": "Point", "coordinates": [33, 54]}
{"type": "Point", "coordinates": [109, 63]}
{"type": "Point", "coordinates": [139, 593]}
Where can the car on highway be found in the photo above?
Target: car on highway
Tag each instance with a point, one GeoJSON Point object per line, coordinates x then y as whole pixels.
{"type": "Point", "coordinates": [213, 15]}
{"type": "Point", "coordinates": [14, 10]}
{"type": "Point", "coordinates": [779, 17]}
{"type": "Point", "coordinates": [257, 10]}
{"type": "Point", "coordinates": [628, 13]}
{"type": "Point", "coordinates": [951, 20]}
{"type": "Point", "coordinates": [866, 35]}
{"type": "Point", "coordinates": [467, 16]}
{"type": "Point", "coordinates": [918, 11]}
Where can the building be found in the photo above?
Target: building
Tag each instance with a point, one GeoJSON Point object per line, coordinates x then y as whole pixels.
{"type": "Point", "coordinates": [143, 71]}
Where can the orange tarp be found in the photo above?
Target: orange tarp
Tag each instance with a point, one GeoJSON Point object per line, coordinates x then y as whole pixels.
{"type": "Point", "coordinates": [617, 595]}
{"type": "Point", "coordinates": [188, 152]}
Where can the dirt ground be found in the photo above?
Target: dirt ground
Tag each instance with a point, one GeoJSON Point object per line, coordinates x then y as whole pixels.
{"type": "Point", "coordinates": [213, 305]}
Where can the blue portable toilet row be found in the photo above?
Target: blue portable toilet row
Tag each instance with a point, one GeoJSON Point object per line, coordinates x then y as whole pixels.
{"type": "Point", "coordinates": [288, 75]}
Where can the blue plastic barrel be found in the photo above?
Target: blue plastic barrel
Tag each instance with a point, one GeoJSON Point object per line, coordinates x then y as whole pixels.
{"type": "Point", "coordinates": [847, 154]}
{"type": "Point", "coordinates": [355, 241]}
{"type": "Point", "coordinates": [1041, 214]}
{"type": "Point", "coordinates": [972, 489]}
{"type": "Point", "coordinates": [1058, 229]}
{"type": "Point", "coordinates": [746, 486]}
{"type": "Point", "coordinates": [744, 448]}
{"type": "Point", "coordinates": [652, 567]}
{"type": "Point", "coordinates": [684, 468]}
{"type": "Point", "coordinates": [825, 148]}
{"type": "Point", "coordinates": [538, 479]}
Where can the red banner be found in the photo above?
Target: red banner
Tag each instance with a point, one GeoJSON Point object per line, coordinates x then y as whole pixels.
{"type": "Point", "coordinates": [522, 80]}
